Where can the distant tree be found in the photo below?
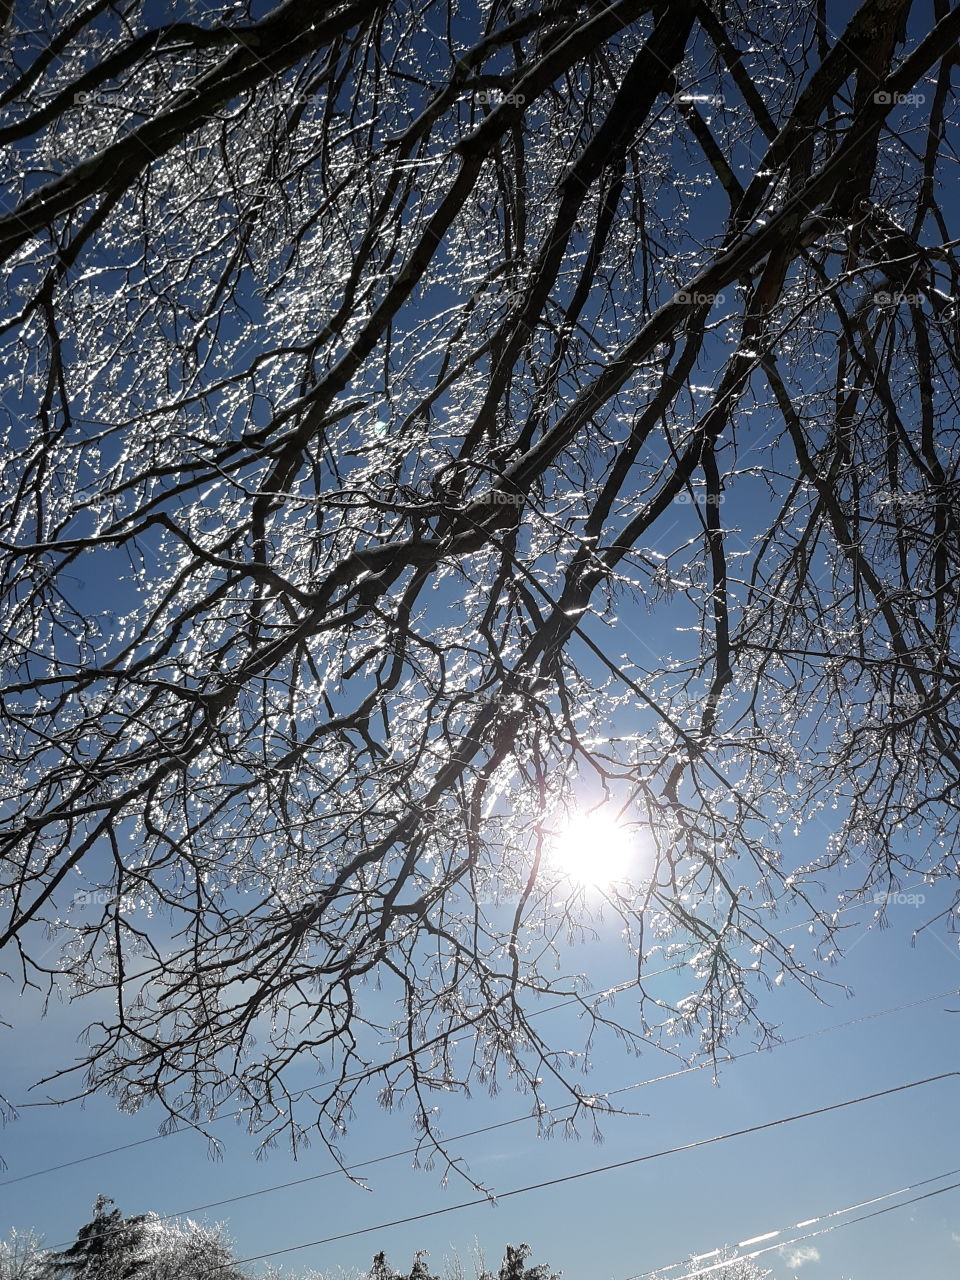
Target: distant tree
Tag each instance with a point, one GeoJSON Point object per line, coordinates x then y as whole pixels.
{"type": "Point", "coordinates": [420, 1270]}
{"type": "Point", "coordinates": [108, 1247]}
{"type": "Point", "coordinates": [22, 1257]}
{"type": "Point", "coordinates": [381, 1269]}
{"type": "Point", "coordinates": [514, 1266]}
{"type": "Point", "coordinates": [731, 1268]}
{"type": "Point", "coordinates": [188, 1250]}
{"type": "Point", "coordinates": [111, 1247]}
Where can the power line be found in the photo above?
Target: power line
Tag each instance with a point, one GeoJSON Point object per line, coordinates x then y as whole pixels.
{"type": "Point", "coordinates": [295, 1097]}
{"type": "Point", "coordinates": [601, 995]}
{"type": "Point", "coordinates": [658, 1272]}
{"type": "Point", "coordinates": [505, 1124]}
{"type": "Point", "coordinates": [589, 1173]}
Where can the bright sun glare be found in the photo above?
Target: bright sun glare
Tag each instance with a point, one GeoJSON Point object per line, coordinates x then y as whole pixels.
{"type": "Point", "coordinates": [594, 849]}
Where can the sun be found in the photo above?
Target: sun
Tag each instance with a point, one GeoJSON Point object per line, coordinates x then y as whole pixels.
{"type": "Point", "coordinates": [595, 850]}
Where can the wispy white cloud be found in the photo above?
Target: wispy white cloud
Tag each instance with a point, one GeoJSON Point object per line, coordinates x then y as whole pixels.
{"type": "Point", "coordinates": [798, 1257]}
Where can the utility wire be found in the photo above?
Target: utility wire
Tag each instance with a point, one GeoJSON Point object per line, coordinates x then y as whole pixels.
{"type": "Point", "coordinates": [295, 1097]}
{"type": "Point", "coordinates": [505, 1124]}
{"type": "Point", "coordinates": [696, 1274]}
{"type": "Point", "coordinates": [600, 995]}
{"type": "Point", "coordinates": [589, 1173]}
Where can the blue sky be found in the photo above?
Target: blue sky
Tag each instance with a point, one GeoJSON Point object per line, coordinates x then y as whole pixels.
{"type": "Point", "coordinates": [644, 1216]}
{"type": "Point", "coordinates": [613, 1225]}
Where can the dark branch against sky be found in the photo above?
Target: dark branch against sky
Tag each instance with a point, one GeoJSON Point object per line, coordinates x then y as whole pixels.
{"type": "Point", "coordinates": [423, 426]}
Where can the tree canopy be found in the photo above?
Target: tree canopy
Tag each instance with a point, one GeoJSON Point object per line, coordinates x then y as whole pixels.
{"type": "Point", "coordinates": [183, 1250]}
{"type": "Point", "coordinates": [424, 423]}
{"type": "Point", "coordinates": [114, 1247]}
